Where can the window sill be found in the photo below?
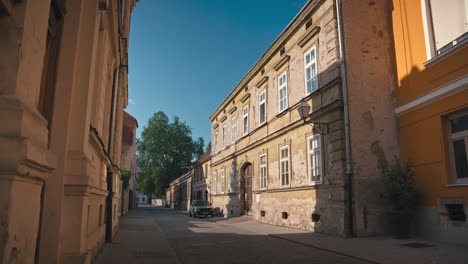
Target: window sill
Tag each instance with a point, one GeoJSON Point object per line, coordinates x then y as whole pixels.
{"type": "Point", "coordinates": [316, 183]}
{"type": "Point", "coordinates": [280, 114]}
{"type": "Point", "coordinates": [446, 54]}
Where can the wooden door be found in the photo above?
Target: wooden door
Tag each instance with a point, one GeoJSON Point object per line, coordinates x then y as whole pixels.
{"type": "Point", "coordinates": [247, 188]}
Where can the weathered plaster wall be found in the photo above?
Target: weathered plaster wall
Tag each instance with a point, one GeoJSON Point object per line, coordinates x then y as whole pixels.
{"type": "Point", "coordinates": [371, 88]}
{"type": "Point", "coordinates": [300, 198]}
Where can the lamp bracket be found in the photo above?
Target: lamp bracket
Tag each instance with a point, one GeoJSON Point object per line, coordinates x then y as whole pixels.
{"type": "Point", "coordinates": [318, 127]}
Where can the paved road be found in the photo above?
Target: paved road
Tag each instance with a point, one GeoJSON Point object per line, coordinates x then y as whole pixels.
{"type": "Point", "coordinates": [156, 235]}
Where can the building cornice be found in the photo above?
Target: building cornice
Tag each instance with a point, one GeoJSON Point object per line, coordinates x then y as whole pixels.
{"type": "Point", "coordinates": [279, 42]}
{"type": "Point", "coordinates": [439, 93]}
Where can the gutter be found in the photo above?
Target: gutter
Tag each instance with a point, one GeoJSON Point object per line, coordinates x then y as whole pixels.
{"type": "Point", "coordinates": [348, 187]}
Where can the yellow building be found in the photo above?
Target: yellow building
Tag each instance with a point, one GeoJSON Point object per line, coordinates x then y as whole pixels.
{"type": "Point", "coordinates": [431, 48]}
{"type": "Point", "coordinates": [63, 87]}
{"type": "Point", "coordinates": [268, 163]}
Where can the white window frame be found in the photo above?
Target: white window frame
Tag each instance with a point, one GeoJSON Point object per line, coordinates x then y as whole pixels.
{"type": "Point", "coordinates": [263, 172]}
{"type": "Point", "coordinates": [456, 136]}
{"type": "Point", "coordinates": [233, 129]}
{"type": "Point", "coordinates": [224, 135]}
{"type": "Point", "coordinates": [282, 160]}
{"type": "Point", "coordinates": [309, 65]}
{"type": "Point", "coordinates": [214, 183]}
{"type": "Point", "coordinates": [216, 142]}
{"type": "Point", "coordinates": [280, 87]}
{"type": "Point", "coordinates": [310, 154]}
{"type": "Point", "coordinates": [245, 116]}
{"type": "Point", "coordinates": [431, 50]}
{"type": "Point", "coordinates": [262, 101]}
{"type": "Point", "coordinates": [223, 181]}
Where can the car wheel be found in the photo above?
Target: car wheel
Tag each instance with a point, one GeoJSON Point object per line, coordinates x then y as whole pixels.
{"type": "Point", "coordinates": [194, 215]}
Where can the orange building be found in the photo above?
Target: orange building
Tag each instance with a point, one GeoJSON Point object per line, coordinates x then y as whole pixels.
{"type": "Point", "coordinates": [432, 106]}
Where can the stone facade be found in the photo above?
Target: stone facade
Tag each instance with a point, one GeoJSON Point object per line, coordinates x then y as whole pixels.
{"type": "Point", "coordinates": [201, 168]}
{"type": "Point", "coordinates": [281, 170]}
{"type": "Point", "coordinates": [62, 94]}
{"type": "Point", "coordinates": [178, 193]}
{"type": "Point", "coordinates": [129, 162]}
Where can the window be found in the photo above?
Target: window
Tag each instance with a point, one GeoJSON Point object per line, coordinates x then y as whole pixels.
{"type": "Point", "coordinates": [223, 181]}
{"type": "Point", "coordinates": [283, 92]}
{"type": "Point", "coordinates": [458, 129]}
{"type": "Point", "coordinates": [263, 172]}
{"type": "Point", "coordinates": [233, 180]}
{"type": "Point", "coordinates": [224, 135]}
{"type": "Point", "coordinates": [284, 165]}
{"type": "Point", "coordinates": [216, 142]}
{"type": "Point", "coordinates": [49, 70]}
{"type": "Point", "coordinates": [310, 63]}
{"type": "Point", "coordinates": [262, 107]}
{"type": "Point", "coordinates": [233, 129]}
{"type": "Point", "coordinates": [205, 172]}
{"type": "Point", "coordinates": [246, 120]}
{"type": "Point", "coordinates": [446, 24]}
{"type": "Point", "coordinates": [314, 159]}
{"type": "Point", "coordinates": [214, 183]}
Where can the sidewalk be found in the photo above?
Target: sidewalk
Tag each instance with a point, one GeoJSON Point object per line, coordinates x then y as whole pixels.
{"type": "Point", "coordinates": [375, 249]}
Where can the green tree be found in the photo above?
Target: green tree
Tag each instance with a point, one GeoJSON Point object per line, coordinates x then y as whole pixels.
{"type": "Point", "coordinates": [199, 144]}
{"type": "Point", "coordinates": [165, 151]}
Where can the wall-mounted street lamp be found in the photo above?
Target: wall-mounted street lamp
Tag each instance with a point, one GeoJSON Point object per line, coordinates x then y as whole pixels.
{"type": "Point", "coordinates": [317, 127]}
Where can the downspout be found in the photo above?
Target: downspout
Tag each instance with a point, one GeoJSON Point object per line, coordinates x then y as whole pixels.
{"type": "Point", "coordinates": [110, 171]}
{"type": "Point", "coordinates": [349, 232]}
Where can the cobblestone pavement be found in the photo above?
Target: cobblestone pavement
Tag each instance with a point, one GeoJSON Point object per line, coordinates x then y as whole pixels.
{"type": "Point", "coordinates": [157, 235]}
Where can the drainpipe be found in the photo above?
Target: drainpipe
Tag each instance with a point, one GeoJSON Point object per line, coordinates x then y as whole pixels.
{"type": "Point", "coordinates": [349, 166]}
{"type": "Point", "coordinates": [110, 171]}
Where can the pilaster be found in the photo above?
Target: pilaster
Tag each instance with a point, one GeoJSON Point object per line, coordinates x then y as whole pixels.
{"type": "Point", "coordinates": [25, 160]}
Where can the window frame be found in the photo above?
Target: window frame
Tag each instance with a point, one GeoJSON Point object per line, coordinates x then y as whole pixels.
{"type": "Point", "coordinates": [245, 116]}
{"type": "Point", "coordinates": [309, 65]}
{"type": "Point", "coordinates": [309, 160]}
{"type": "Point", "coordinates": [233, 129]}
{"type": "Point", "coordinates": [451, 137]}
{"type": "Point", "coordinates": [285, 86]}
{"type": "Point", "coordinates": [429, 35]}
{"type": "Point", "coordinates": [224, 135]}
{"type": "Point", "coordinates": [223, 180]}
{"type": "Point", "coordinates": [288, 166]}
{"type": "Point", "coordinates": [263, 178]}
{"type": "Point", "coordinates": [214, 183]}
{"type": "Point", "coordinates": [216, 142]}
{"type": "Point", "coordinates": [260, 102]}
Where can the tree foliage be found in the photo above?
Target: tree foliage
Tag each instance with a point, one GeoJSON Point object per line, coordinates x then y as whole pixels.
{"type": "Point", "coordinates": [165, 151]}
{"type": "Point", "coordinates": [199, 145]}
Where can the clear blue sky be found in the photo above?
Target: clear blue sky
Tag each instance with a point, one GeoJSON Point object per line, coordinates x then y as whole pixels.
{"type": "Point", "coordinates": [187, 55]}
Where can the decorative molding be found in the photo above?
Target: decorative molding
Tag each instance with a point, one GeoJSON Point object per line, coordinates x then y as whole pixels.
{"type": "Point", "coordinates": [298, 21]}
{"type": "Point", "coordinates": [308, 36]}
{"type": "Point", "coordinates": [83, 190]}
{"type": "Point", "coordinates": [281, 62]}
{"type": "Point", "coordinates": [216, 126]}
{"type": "Point", "coordinates": [223, 118]}
{"type": "Point", "coordinates": [262, 81]}
{"type": "Point", "coordinates": [245, 97]}
{"type": "Point", "coordinates": [437, 94]}
{"type": "Point", "coordinates": [232, 110]}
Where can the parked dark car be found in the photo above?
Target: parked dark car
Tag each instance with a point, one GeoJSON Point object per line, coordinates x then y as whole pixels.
{"type": "Point", "coordinates": [200, 208]}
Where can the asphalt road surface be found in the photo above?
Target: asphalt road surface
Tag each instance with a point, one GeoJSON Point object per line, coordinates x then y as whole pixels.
{"type": "Point", "coordinates": [157, 235]}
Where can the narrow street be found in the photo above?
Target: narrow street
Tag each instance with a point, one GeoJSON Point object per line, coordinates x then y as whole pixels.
{"type": "Point", "coordinates": [156, 235]}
